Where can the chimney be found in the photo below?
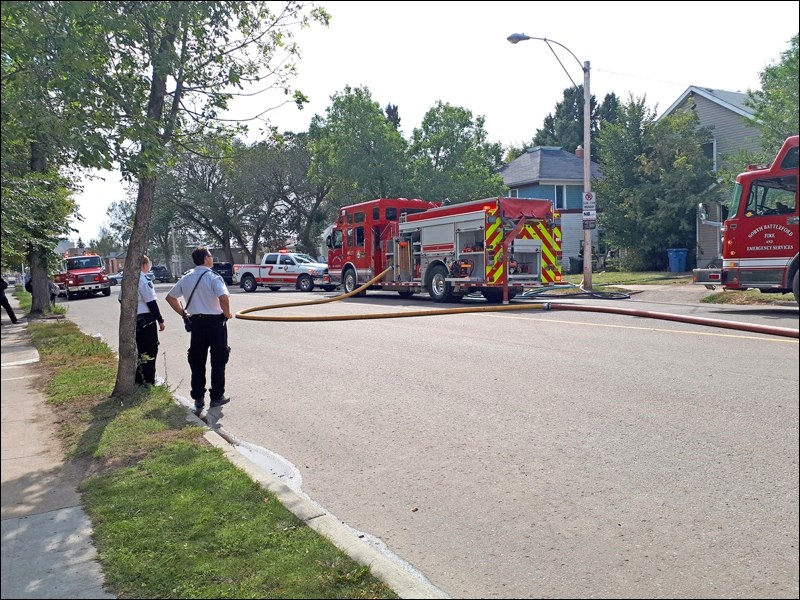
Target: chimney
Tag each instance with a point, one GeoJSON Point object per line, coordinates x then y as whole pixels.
{"type": "Point", "coordinates": [579, 151]}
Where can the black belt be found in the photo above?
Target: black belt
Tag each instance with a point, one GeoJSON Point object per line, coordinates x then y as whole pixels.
{"type": "Point", "coordinates": [202, 316]}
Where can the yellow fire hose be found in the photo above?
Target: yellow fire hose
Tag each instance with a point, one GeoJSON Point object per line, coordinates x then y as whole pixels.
{"type": "Point", "coordinates": [749, 327]}
{"type": "Point", "coordinates": [245, 313]}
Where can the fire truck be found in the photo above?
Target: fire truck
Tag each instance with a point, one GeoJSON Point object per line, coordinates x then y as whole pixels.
{"type": "Point", "coordinates": [84, 274]}
{"type": "Point", "coordinates": [759, 237]}
{"type": "Point", "coordinates": [496, 246]}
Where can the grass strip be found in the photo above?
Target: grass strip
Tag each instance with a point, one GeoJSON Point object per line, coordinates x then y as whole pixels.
{"type": "Point", "coordinates": [172, 517]}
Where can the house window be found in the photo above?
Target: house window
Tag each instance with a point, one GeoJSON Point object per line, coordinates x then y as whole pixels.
{"type": "Point", "coordinates": [710, 152]}
{"type": "Point", "coordinates": [513, 193]}
{"type": "Point", "coordinates": [560, 203]}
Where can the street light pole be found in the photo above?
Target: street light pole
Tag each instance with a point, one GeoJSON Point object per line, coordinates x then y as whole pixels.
{"type": "Point", "coordinates": [589, 222]}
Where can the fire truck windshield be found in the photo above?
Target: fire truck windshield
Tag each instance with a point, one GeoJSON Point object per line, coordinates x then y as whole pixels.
{"type": "Point", "coordinates": [84, 262]}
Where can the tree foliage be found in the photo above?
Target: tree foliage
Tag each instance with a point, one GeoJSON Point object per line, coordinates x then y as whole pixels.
{"type": "Point", "coordinates": [564, 127]}
{"type": "Point", "coordinates": [451, 157]}
{"type": "Point", "coordinates": [654, 175]}
{"type": "Point", "coordinates": [144, 77]}
{"type": "Point", "coordinates": [776, 106]}
{"type": "Point", "coordinates": [357, 151]}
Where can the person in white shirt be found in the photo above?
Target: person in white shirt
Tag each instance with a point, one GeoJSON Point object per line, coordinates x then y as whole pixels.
{"type": "Point", "coordinates": [207, 312]}
{"type": "Point", "coordinates": [147, 315]}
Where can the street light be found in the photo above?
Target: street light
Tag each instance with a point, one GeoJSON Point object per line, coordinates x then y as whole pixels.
{"type": "Point", "coordinates": [588, 197]}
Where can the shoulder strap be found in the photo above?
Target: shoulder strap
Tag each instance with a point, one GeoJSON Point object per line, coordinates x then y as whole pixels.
{"type": "Point", "coordinates": [193, 289]}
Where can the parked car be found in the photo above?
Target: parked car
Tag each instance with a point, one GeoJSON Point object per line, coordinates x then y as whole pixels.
{"type": "Point", "coordinates": [116, 278]}
{"type": "Point", "coordinates": [225, 269]}
{"type": "Point", "coordinates": [162, 274]}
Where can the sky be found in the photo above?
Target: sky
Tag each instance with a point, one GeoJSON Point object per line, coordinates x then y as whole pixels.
{"type": "Point", "coordinates": [414, 54]}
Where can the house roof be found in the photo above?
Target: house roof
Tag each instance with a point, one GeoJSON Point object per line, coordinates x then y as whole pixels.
{"type": "Point", "coordinates": [734, 101]}
{"type": "Point", "coordinates": [545, 163]}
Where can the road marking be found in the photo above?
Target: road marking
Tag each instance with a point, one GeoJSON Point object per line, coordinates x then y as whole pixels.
{"type": "Point", "coordinates": [686, 332]}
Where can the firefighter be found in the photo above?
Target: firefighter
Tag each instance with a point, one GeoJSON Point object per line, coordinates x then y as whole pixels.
{"type": "Point", "coordinates": [207, 310]}
{"type": "Point", "coordinates": [147, 315]}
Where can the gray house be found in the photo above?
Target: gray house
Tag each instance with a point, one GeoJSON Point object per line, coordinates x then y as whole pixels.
{"type": "Point", "coordinates": [552, 173]}
{"type": "Point", "coordinates": [732, 129]}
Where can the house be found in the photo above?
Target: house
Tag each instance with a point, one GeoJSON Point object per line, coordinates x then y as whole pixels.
{"type": "Point", "coordinates": [552, 173]}
{"type": "Point", "coordinates": [733, 129]}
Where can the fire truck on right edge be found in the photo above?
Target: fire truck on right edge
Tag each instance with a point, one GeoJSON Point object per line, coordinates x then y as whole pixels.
{"type": "Point", "coordinates": [759, 237]}
{"type": "Point", "coordinates": [496, 246]}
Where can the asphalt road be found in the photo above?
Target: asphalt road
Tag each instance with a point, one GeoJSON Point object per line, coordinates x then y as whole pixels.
{"type": "Point", "coordinates": [529, 454]}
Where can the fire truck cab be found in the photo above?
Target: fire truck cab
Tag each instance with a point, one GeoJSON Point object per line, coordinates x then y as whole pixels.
{"type": "Point", "coordinates": [496, 246]}
{"type": "Point", "coordinates": [84, 274]}
{"type": "Point", "coordinates": [760, 235]}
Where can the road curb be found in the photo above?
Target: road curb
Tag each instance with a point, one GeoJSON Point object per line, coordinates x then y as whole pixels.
{"type": "Point", "coordinates": [403, 582]}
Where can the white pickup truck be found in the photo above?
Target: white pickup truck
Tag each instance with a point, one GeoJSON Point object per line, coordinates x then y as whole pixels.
{"type": "Point", "coordinates": [282, 269]}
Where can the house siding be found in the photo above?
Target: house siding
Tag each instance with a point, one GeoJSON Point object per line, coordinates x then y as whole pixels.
{"type": "Point", "coordinates": [730, 131]}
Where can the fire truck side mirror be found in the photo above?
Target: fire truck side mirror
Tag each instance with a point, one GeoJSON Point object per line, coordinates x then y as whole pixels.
{"type": "Point", "coordinates": [702, 212]}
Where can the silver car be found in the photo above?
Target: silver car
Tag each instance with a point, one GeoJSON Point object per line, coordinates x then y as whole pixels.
{"type": "Point", "coordinates": [116, 278]}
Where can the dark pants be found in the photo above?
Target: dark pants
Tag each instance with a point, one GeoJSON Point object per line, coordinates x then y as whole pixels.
{"type": "Point", "coordinates": [146, 348]}
{"type": "Point", "coordinates": [9, 310]}
{"type": "Point", "coordinates": [208, 332]}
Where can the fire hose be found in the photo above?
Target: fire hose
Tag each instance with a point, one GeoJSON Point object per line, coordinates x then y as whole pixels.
{"type": "Point", "coordinates": [246, 313]}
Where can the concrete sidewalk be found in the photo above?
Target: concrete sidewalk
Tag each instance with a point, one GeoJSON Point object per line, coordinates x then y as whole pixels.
{"type": "Point", "coordinates": [47, 550]}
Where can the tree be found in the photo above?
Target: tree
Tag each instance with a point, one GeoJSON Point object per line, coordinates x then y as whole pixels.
{"type": "Point", "coordinates": [393, 115]}
{"type": "Point", "coordinates": [146, 76]}
{"type": "Point", "coordinates": [451, 157]}
{"type": "Point", "coordinates": [564, 128]}
{"type": "Point", "coordinates": [776, 107]}
{"type": "Point", "coordinates": [106, 243]}
{"type": "Point", "coordinates": [654, 175]}
{"type": "Point", "coordinates": [357, 152]}
{"type": "Point", "coordinates": [38, 139]}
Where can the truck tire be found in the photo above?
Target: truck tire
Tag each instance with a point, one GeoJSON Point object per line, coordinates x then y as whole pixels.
{"type": "Point", "coordinates": [796, 286]}
{"type": "Point", "coordinates": [107, 291]}
{"type": "Point", "coordinates": [350, 283]}
{"type": "Point", "coordinates": [249, 283]}
{"type": "Point", "coordinates": [274, 288]}
{"type": "Point", "coordinates": [438, 288]}
{"type": "Point", "coordinates": [406, 294]}
{"type": "Point", "coordinates": [328, 288]}
{"type": "Point", "coordinates": [305, 283]}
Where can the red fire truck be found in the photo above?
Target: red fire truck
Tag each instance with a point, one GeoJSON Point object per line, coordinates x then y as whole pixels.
{"type": "Point", "coordinates": [759, 237]}
{"type": "Point", "coordinates": [496, 246]}
{"type": "Point", "coordinates": [82, 274]}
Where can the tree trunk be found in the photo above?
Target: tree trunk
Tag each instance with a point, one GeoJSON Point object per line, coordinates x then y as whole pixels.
{"type": "Point", "coordinates": [137, 247]}
{"type": "Point", "coordinates": [40, 294]}
{"type": "Point", "coordinates": [37, 255]}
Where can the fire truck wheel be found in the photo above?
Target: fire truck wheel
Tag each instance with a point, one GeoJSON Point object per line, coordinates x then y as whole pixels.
{"type": "Point", "coordinates": [438, 287]}
{"type": "Point", "coordinates": [406, 294]}
{"type": "Point", "coordinates": [305, 283]}
{"type": "Point", "coordinates": [249, 283]}
{"type": "Point", "coordinates": [349, 282]}
{"type": "Point", "coordinates": [796, 286]}
{"type": "Point", "coordinates": [274, 288]}
{"type": "Point", "coordinates": [328, 288]}
{"type": "Point", "coordinates": [106, 291]}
